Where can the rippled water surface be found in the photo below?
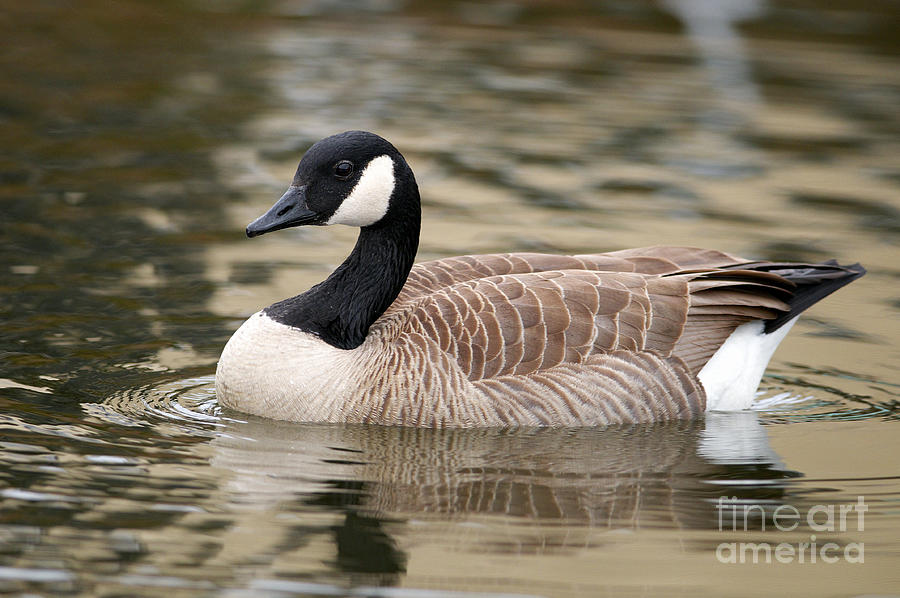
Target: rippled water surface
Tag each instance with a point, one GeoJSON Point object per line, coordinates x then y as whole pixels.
{"type": "Point", "coordinates": [139, 138]}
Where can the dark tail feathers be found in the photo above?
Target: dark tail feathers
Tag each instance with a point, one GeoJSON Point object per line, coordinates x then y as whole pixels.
{"type": "Point", "coordinates": [814, 283]}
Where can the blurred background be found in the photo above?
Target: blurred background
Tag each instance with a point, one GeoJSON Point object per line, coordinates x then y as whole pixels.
{"type": "Point", "coordinates": [139, 138]}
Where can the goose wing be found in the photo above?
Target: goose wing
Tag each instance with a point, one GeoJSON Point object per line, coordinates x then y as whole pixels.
{"type": "Point", "coordinates": [428, 277]}
{"type": "Point", "coordinates": [517, 324]}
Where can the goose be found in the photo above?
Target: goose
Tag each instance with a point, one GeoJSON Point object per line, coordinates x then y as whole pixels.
{"type": "Point", "coordinates": [513, 339]}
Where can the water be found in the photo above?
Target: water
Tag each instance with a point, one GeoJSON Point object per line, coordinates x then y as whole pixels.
{"type": "Point", "coordinates": [140, 138]}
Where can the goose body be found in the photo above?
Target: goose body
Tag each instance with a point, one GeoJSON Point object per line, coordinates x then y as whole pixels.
{"type": "Point", "coordinates": [500, 339]}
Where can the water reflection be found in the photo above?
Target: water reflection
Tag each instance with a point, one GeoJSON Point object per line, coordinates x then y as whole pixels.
{"type": "Point", "coordinates": [634, 477]}
{"type": "Point", "coordinates": [711, 27]}
{"type": "Point", "coordinates": [108, 194]}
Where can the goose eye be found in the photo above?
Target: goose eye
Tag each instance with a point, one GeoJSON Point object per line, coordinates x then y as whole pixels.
{"type": "Point", "coordinates": [343, 169]}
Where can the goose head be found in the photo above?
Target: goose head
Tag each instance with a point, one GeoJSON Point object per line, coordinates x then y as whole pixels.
{"type": "Point", "coordinates": [357, 179]}
{"type": "Point", "coordinates": [354, 178]}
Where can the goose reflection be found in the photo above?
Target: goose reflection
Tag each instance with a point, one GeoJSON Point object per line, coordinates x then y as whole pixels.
{"type": "Point", "coordinates": [664, 474]}
{"type": "Point", "coordinates": [362, 500]}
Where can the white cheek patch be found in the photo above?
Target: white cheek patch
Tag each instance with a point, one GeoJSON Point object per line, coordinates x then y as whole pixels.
{"type": "Point", "coordinates": [368, 202]}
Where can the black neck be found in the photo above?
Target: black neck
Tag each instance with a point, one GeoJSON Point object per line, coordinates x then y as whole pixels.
{"type": "Point", "coordinates": [341, 309]}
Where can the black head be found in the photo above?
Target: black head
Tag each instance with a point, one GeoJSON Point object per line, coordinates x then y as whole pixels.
{"type": "Point", "coordinates": [349, 178]}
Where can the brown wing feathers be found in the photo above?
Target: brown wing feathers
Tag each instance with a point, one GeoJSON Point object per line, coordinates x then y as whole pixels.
{"type": "Point", "coordinates": [522, 323]}
{"type": "Point", "coordinates": [515, 314]}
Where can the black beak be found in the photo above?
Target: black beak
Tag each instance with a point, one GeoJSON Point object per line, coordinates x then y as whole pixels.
{"type": "Point", "coordinates": [288, 211]}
